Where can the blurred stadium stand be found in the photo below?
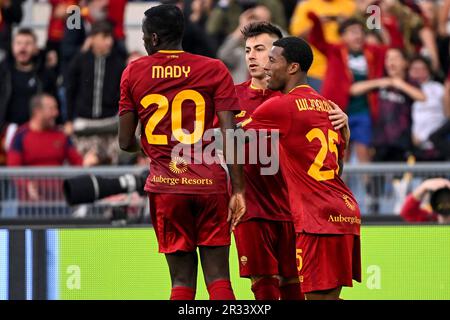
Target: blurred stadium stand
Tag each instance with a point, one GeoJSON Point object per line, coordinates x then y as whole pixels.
{"type": "Point", "coordinates": [35, 195]}
{"type": "Point", "coordinates": [36, 16]}
{"type": "Point", "coordinates": [380, 186]}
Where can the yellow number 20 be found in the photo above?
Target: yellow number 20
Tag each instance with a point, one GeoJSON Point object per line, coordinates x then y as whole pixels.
{"type": "Point", "coordinates": [325, 146]}
{"type": "Point", "coordinates": [163, 107]}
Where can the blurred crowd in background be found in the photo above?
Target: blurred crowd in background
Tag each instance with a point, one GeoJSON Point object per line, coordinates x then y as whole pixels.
{"type": "Point", "coordinates": [385, 62]}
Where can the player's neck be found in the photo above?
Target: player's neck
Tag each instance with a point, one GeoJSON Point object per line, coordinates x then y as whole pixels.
{"type": "Point", "coordinates": [259, 83]}
{"type": "Point", "coordinates": [170, 46]}
{"type": "Point", "coordinates": [36, 125]}
{"type": "Point", "coordinates": [293, 83]}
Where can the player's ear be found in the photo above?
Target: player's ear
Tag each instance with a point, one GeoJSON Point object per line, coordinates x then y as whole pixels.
{"type": "Point", "coordinates": [293, 68]}
{"type": "Point", "coordinates": [155, 39]}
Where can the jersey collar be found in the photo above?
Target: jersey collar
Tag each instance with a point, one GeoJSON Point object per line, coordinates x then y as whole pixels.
{"type": "Point", "coordinates": [300, 86]}
{"type": "Point", "coordinates": [170, 51]}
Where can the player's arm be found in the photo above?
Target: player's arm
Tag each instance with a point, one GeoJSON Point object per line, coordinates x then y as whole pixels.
{"type": "Point", "coordinates": [128, 118]}
{"type": "Point", "coordinates": [339, 120]}
{"type": "Point", "coordinates": [226, 103]}
{"type": "Point", "coordinates": [127, 127]}
{"type": "Point", "coordinates": [237, 206]}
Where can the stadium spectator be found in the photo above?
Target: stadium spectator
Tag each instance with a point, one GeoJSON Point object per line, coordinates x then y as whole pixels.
{"type": "Point", "coordinates": [232, 51]}
{"type": "Point", "coordinates": [39, 142]}
{"type": "Point", "coordinates": [195, 39]}
{"type": "Point", "coordinates": [56, 24]}
{"type": "Point", "coordinates": [349, 61]}
{"type": "Point", "coordinates": [92, 93]}
{"type": "Point", "coordinates": [441, 137]}
{"type": "Point", "coordinates": [428, 115]}
{"type": "Point", "coordinates": [200, 11]}
{"type": "Point", "coordinates": [10, 14]}
{"type": "Point", "coordinates": [75, 39]}
{"type": "Point", "coordinates": [24, 74]}
{"type": "Point", "coordinates": [116, 15]}
{"type": "Point", "coordinates": [224, 18]}
{"type": "Point", "coordinates": [392, 125]}
{"type": "Point", "coordinates": [443, 13]}
{"type": "Point", "coordinates": [419, 205]}
{"type": "Point", "coordinates": [407, 30]}
{"type": "Point", "coordinates": [330, 12]}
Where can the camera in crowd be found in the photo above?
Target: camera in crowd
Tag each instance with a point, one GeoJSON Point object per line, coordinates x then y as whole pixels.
{"type": "Point", "coordinates": [89, 188]}
{"type": "Point", "coordinates": [440, 201]}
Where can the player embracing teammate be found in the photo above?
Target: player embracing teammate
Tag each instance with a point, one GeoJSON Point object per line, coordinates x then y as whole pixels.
{"type": "Point", "coordinates": [326, 216]}
{"type": "Point", "coordinates": [301, 223]}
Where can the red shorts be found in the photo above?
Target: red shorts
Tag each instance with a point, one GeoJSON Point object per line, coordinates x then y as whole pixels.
{"type": "Point", "coordinates": [184, 221]}
{"type": "Point", "coordinates": [266, 248]}
{"type": "Point", "coordinates": [328, 261]}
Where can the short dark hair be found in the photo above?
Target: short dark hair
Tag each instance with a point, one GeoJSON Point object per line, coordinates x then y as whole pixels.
{"type": "Point", "coordinates": [36, 101]}
{"type": "Point", "coordinates": [402, 52]}
{"type": "Point", "coordinates": [348, 23]}
{"type": "Point", "coordinates": [296, 50]}
{"type": "Point", "coordinates": [440, 201]}
{"type": "Point", "coordinates": [256, 28]}
{"type": "Point", "coordinates": [104, 27]}
{"type": "Point", "coordinates": [424, 60]}
{"type": "Point", "coordinates": [27, 32]}
{"type": "Point", "coordinates": [166, 20]}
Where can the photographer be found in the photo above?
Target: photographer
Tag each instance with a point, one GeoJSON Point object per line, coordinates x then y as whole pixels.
{"type": "Point", "coordinates": [439, 191]}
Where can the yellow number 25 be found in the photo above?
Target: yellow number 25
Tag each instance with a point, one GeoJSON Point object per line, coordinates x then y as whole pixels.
{"type": "Point", "coordinates": [325, 146]}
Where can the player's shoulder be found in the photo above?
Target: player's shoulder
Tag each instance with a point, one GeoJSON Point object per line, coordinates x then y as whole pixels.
{"type": "Point", "coordinates": [243, 86]}
{"type": "Point", "coordinates": [305, 91]}
{"type": "Point", "coordinates": [139, 62]}
{"type": "Point", "coordinates": [275, 102]}
{"type": "Point", "coordinates": [205, 61]}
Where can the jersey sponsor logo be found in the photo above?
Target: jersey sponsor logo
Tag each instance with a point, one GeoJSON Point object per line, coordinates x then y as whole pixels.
{"type": "Point", "coordinates": [178, 165]}
{"type": "Point", "coordinates": [244, 260]}
{"type": "Point", "coordinates": [313, 105]}
{"type": "Point", "coordinates": [180, 181]}
{"type": "Point", "coordinates": [160, 72]}
{"type": "Point", "coordinates": [349, 202]}
{"type": "Point", "coordinates": [341, 219]}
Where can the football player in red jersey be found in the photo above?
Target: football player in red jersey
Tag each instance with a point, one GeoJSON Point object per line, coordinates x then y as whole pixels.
{"type": "Point", "coordinates": [265, 239]}
{"type": "Point", "coordinates": [175, 96]}
{"type": "Point", "coordinates": [326, 216]}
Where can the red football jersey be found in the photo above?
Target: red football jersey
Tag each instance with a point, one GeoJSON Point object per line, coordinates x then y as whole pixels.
{"type": "Point", "coordinates": [266, 195]}
{"type": "Point", "coordinates": [176, 96]}
{"type": "Point", "coordinates": [309, 150]}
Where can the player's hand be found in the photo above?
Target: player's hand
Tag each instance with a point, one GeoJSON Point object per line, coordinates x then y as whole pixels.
{"type": "Point", "coordinates": [236, 209]}
{"type": "Point", "coordinates": [337, 117]}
